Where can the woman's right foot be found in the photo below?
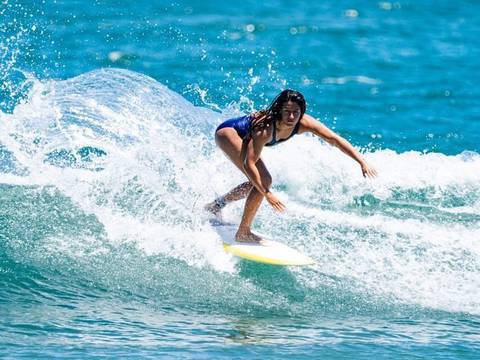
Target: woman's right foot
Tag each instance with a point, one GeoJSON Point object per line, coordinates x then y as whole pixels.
{"type": "Point", "coordinates": [247, 237]}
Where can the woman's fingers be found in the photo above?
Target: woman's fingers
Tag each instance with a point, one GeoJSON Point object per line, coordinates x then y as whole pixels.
{"type": "Point", "coordinates": [372, 173]}
{"type": "Point", "coordinates": [276, 204]}
{"type": "Point", "coordinates": [368, 171]}
{"type": "Point", "coordinates": [279, 207]}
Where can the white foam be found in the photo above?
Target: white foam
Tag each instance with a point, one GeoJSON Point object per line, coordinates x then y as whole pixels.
{"type": "Point", "coordinates": [161, 166]}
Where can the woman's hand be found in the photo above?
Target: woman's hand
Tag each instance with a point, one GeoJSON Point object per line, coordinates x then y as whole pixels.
{"type": "Point", "coordinates": [275, 202]}
{"type": "Point", "coordinates": [369, 171]}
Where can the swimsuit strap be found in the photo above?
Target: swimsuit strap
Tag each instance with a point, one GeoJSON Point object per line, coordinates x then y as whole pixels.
{"type": "Point", "coordinates": [274, 135]}
{"type": "Point", "coordinates": [294, 132]}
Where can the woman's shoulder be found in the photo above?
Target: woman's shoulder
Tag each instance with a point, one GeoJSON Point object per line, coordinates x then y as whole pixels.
{"type": "Point", "coordinates": [307, 119]}
{"type": "Point", "coordinates": [308, 123]}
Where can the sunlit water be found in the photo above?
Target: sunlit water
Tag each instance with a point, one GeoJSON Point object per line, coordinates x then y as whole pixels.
{"type": "Point", "coordinates": [107, 158]}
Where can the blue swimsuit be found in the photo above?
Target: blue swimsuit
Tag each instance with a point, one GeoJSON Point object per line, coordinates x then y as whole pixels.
{"type": "Point", "coordinates": [242, 126]}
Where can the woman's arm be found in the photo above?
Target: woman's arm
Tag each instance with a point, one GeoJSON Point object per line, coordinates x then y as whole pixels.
{"type": "Point", "coordinates": [316, 127]}
{"type": "Point", "coordinates": [251, 150]}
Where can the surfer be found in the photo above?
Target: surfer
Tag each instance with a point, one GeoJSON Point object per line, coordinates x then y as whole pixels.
{"type": "Point", "coordinates": [242, 140]}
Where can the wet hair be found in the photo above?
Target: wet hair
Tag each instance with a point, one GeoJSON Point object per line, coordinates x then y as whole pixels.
{"type": "Point", "coordinates": [264, 118]}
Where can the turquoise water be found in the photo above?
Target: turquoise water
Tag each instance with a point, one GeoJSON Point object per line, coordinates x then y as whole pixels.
{"type": "Point", "coordinates": [107, 156]}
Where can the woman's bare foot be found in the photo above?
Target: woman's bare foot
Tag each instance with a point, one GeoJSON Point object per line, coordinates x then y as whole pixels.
{"type": "Point", "coordinates": [247, 237]}
{"type": "Point", "coordinates": [214, 208]}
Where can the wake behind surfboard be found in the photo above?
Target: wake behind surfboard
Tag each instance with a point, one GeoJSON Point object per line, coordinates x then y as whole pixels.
{"type": "Point", "coordinates": [266, 252]}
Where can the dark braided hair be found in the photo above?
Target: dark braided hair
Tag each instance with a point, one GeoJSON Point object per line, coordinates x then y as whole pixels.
{"type": "Point", "coordinates": [264, 118]}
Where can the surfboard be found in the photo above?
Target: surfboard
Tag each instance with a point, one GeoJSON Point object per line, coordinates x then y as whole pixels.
{"type": "Point", "coordinates": [266, 252]}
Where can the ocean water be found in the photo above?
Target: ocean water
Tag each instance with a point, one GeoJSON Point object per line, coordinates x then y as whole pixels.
{"type": "Point", "coordinates": [107, 114]}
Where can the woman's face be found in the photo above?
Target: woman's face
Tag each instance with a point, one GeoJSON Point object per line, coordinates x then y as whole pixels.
{"type": "Point", "coordinates": [290, 113]}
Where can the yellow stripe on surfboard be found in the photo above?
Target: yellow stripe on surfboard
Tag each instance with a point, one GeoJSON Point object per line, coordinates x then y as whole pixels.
{"type": "Point", "coordinates": [292, 257]}
{"type": "Point", "coordinates": [266, 252]}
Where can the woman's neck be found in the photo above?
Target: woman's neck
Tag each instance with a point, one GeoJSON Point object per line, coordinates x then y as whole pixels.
{"type": "Point", "coordinates": [280, 126]}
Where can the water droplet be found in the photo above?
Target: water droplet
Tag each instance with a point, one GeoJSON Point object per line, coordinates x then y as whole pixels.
{"type": "Point", "coordinates": [351, 13]}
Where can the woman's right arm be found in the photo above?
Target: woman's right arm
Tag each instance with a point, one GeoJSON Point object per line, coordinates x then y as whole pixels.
{"type": "Point", "coordinates": [251, 150]}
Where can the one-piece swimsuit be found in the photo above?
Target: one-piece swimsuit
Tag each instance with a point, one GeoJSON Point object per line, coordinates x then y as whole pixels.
{"type": "Point", "coordinates": [243, 124]}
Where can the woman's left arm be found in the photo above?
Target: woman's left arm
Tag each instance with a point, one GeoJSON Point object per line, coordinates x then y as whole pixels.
{"type": "Point", "coordinates": [309, 124]}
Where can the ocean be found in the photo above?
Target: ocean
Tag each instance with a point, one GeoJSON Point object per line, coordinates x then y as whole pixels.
{"type": "Point", "coordinates": [107, 157]}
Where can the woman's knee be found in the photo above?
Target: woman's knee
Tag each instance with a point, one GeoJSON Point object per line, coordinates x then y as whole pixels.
{"type": "Point", "coordinates": [220, 137]}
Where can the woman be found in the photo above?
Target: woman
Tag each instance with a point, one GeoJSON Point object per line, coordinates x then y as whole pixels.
{"type": "Point", "coordinates": [242, 140]}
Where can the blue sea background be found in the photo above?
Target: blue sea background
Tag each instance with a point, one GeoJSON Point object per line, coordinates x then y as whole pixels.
{"type": "Point", "coordinates": [107, 156]}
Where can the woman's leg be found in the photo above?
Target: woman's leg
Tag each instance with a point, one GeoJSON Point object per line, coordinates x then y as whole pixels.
{"type": "Point", "coordinates": [252, 204]}
{"type": "Point", "coordinates": [228, 140]}
{"type": "Point", "coordinates": [237, 193]}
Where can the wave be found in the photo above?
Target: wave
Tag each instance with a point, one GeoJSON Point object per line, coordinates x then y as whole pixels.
{"type": "Point", "coordinates": [104, 176]}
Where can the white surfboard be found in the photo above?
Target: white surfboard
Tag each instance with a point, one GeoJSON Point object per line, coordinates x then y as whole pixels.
{"type": "Point", "coordinates": [266, 252]}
